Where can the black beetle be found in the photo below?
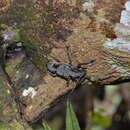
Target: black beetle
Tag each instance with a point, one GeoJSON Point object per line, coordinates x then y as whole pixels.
{"type": "Point", "coordinates": [68, 71]}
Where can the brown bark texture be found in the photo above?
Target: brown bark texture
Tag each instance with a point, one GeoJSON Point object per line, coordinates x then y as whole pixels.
{"type": "Point", "coordinates": [45, 32]}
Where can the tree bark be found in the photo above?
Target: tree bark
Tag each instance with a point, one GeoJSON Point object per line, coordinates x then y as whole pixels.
{"type": "Point", "coordinates": [86, 42]}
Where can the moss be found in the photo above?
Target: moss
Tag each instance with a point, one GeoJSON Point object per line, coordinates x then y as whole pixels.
{"type": "Point", "coordinates": [3, 126]}
{"type": "Point", "coordinates": [14, 125]}
{"type": "Point", "coordinates": [37, 25]}
{"type": "Point", "coordinates": [18, 38]}
{"type": "Point", "coordinates": [25, 20]}
{"type": "Point", "coordinates": [3, 91]}
{"type": "Point", "coordinates": [8, 107]}
{"type": "Point", "coordinates": [3, 26]}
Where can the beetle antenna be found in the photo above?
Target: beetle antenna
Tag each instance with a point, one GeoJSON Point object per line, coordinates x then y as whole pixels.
{"type": "Point", "coordinates": [85, 63]}
{"type": "Point", "coordinates": [68, 53]}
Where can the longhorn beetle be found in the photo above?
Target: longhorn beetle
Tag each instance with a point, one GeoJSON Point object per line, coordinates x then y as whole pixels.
{"type": "Point", "coordinates": [68, 71]}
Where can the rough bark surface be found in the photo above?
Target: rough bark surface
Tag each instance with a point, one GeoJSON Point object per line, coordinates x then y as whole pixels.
{"type": "Point", "coordinates": [88, 33]}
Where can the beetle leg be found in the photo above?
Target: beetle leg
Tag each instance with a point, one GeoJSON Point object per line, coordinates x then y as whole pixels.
{"type": "Point", "coordinates": [85, 63]}
{"type": "Point", "coordinates": [67, 83]}
{"type": "Point", "coordinates": [68, 53]}
{"type": "Point", "coordinates": [79, 81]}
{"type": "Point", "coordinates": [52, 74]}
{"type": "Point", "coordinates": [89, 79]}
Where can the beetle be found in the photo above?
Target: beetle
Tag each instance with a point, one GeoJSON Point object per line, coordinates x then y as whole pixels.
{"type": "Point", "coordinates": [68, 71]}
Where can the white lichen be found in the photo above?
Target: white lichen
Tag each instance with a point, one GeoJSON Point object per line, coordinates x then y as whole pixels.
{"type": "Point", "coordinates": [127, 5]}
{"type": "Point", "coordinates": [125, 18]}
{"type": "Point", "coordinates": [110, 44]}
{"type": "Point", "coordinates": [6, 37]}
{"type": "Point", "coordinates": [19, 44]}
{"type": "Point", "coordinates": [17, 72]}
{"type": "Point", "coordinates": [28, 91]}
{"type": "Point", "coordinates": [30, 107]}
{"type": "Point", "coordinates": [9, 35]}
{"type": "Point", "coordinates": [119, 43]}
{"type": "Point", "coordinates": [27, 76]}
{"type": "Point", "coordinates": [88, 5]}
{"type": "Point", "coordinates": [122, 30]}
{"type": "Point", "coordinates": [8, 91]}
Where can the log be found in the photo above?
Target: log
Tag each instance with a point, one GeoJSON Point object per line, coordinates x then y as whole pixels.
{"type": "Point", "coordinates": [89, 37]}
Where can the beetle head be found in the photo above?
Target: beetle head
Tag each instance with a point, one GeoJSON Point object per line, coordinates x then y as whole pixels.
{"type": "Point", "coordinates": [52, 67]}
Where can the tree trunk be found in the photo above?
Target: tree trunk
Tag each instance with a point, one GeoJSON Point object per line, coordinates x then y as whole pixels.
{"type": "Point", "coordinates": [85, 33]}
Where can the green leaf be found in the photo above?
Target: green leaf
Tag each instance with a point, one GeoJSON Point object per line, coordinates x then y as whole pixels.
{"type": "Point", "coordinates": [46, 126]}
{"type": "Point", "coordinates": [18, 38]}
{"type": "Point", "coordinates": [99, 118]}
{"type": "Point", "coordinates": [71, 119]}
{"type": "Point", "coordinates": [3, 26]}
